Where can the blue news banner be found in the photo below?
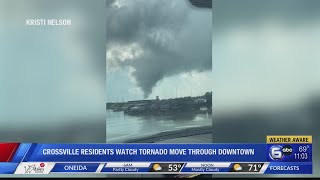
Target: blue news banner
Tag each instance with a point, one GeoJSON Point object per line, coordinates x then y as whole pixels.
{"type": "Point", "coordinates": [30, 158]}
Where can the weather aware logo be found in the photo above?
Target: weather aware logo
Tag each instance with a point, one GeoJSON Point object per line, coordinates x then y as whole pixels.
{"type": "Point", "coordinates": [277, 152]}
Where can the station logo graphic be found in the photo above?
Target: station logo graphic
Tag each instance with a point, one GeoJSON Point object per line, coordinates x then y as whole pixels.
{"type": "Point", "coordinates": [277, 152]}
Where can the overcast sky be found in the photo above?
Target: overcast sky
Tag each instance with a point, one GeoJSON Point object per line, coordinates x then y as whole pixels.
{"type": "Point", "coordinates": [157, 47]}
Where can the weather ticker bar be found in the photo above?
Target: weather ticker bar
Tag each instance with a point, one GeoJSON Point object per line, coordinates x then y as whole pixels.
{"type": "Point", "coordinates": [280, 155]}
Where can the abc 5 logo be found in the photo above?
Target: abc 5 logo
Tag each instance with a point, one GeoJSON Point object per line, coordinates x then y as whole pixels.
{"type": "Point", "coordinates": [277, 152]}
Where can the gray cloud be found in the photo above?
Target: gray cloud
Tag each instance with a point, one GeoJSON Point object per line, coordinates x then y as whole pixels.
{"type": "Point", "coordinates": [162, 38]}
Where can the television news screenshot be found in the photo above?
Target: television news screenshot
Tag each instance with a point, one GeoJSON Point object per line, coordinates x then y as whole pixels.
{"type": "Point", "coordinates": [167, 89]}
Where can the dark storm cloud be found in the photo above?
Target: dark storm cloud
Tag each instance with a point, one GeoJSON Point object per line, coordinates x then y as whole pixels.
{"type": "Point", "coordinates": [165, 32]}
